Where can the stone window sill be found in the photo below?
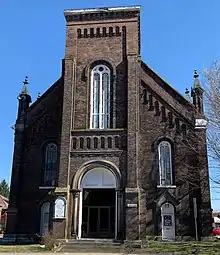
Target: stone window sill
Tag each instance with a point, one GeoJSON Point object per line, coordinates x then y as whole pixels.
{"type": "Point", "coordinates": [166, 186]}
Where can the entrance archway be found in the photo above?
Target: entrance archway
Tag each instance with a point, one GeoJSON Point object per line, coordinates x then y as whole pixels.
{"type": "Point", "coordinates": [99, 206]}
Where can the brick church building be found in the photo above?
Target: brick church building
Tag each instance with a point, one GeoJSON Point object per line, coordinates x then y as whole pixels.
{"type": "Point", "coordinates": [110, 150]}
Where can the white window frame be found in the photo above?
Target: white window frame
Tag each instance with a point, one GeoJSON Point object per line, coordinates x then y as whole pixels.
{"type": "Point", "coordinates": [165, 143]}
{"type": "Point", "coordinates": [104, 99]}
{"type": "Point", "coordinates": [50, 175]}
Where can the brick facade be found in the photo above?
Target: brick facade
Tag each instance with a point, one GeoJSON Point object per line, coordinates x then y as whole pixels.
{"type": "Point", "coordinates": [145, 110]}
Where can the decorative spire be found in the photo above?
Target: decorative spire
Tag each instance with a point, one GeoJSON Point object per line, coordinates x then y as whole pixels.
{"type": "Point", "coordinates": [197, 94]}
{"type": "Point", "coordinates": [196, 80]}
{"type": "Point", "coordinates": [196, 75]}
{"type": "Point", "coordinates": [25, 87]}
{"type": "Point", "coordinates": [187, 96]}
{"type": "Point", "coordinates": [187, 92]}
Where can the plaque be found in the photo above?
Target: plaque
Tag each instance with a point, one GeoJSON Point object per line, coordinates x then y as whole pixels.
{"type": "Point", "coordinates": [60, 207]}
{"type": "Point", "coordinates": [167, 220]}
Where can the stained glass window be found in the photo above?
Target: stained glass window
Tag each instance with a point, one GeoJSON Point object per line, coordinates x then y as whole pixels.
{"type": "Point", "coordinates": [100, 97]}
{"type": "Point", "coordinates": [50, 164]}
{"type": "Point", "coordinates": [165, 163]}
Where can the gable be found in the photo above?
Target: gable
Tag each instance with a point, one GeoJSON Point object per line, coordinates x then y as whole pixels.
{"type": "Point", "coordinates": [156, 90]}
{"type": "Point", "coordinates": [50, 99]}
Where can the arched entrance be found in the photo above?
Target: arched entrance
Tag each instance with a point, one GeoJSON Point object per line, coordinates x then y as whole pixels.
{"type": "Point", "coordinates": [98, 213]}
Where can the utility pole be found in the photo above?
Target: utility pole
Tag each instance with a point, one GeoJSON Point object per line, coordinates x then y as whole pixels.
{"type": "Point", "coordinates": [195, 220]}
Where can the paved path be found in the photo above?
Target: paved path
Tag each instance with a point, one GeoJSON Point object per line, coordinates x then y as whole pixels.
{"type": "Point", "coordinates": [70, 253]}
{"type": "Point", "coordinates": [65, 253]}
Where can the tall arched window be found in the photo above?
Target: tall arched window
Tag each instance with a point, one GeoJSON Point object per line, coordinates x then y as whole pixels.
{"type": "Point", "coordinates": [100, 97]}
{"type": "Point", "coordinates": [45, 218]}
{"type": "Point", "coordinates": [50, 164]}
{"type": "Point", "coordinates": [165, 163]}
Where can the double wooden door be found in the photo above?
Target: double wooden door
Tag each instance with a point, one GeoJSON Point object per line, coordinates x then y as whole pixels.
{"type": "Point", "coordinates": [99, 221]}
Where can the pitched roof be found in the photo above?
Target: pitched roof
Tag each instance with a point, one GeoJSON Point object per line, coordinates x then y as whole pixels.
{"type": "Point", "coordinates": [3, 202]}
{"type": "Point", "coordinates": [175, 94]}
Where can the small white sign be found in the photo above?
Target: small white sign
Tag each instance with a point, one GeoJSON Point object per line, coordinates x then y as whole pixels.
{"type": "Point", "coordinates": [60, 206]}
{"type": "Point", "coordinates": [132, 205]}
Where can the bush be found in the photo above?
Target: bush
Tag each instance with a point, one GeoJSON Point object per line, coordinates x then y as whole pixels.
{"type": "Point", "coordinates": [50, 240]}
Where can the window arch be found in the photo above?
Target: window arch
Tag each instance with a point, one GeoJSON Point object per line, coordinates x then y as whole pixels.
{"type": "Point", "coordinates": [50, 164]}
{"type": "Point", "coordinates": [100, 97]}
{"type": "Point", "coordinates": [165, 163]}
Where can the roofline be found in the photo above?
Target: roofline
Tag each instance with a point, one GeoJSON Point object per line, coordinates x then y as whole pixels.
{"type": "Point", "coordinates": [52, 87]}
{"type": "Point", "coordinates": [101, 9]}
{"type": "Point", "coordinates": [162, 80]}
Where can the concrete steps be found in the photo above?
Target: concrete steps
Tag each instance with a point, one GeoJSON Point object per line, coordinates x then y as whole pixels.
{"type": "Point", "coordinates": [91, 245]}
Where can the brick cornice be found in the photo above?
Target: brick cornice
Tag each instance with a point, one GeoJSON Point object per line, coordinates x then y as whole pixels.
{"type": "Point", "coordinates": [102, 14]}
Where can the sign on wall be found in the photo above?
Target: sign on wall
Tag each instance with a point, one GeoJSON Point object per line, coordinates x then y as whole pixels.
{"type": "Point", "coordinates": [60, 208]}
{"type": "Point", "coordinates": [168, 221]}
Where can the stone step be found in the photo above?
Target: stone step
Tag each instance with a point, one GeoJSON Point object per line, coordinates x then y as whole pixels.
{"type": "Point", "coordinates": [90, 248]}
{"type": "Point", "coordinates": [94, 241]}
{"type": "Point", "coordinates": [91, 245]}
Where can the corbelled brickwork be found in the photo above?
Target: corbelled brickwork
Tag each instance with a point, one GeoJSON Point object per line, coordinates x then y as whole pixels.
{"type": "Point", "coordinates": [145, 111]}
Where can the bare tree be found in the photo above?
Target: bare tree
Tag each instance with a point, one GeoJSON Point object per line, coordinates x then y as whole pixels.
{"type": "Point", "coordinates": [212, 107]}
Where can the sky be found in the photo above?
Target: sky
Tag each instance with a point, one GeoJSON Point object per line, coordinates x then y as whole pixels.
{"type": "Point", "coordinates": [176, 38]}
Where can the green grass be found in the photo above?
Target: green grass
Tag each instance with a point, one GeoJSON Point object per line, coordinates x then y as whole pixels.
{"type": "Point", "coordinates": [183, 248]}
{"type": "Point", "coordinates": [21, 248]}
{"type": "Point", "coordinates": [204, 248]}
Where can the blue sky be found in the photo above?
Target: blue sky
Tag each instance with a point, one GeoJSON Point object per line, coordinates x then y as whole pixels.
{"type": "Point", "coordinates": [177, 37]}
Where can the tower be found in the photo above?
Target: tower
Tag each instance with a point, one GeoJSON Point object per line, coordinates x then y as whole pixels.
{"type": "Point", "coordinates": [96, 40]}
{"type": "Point", "coordinates": [197, 94]}
{"type": "Point", "coordinates": [24, 100]}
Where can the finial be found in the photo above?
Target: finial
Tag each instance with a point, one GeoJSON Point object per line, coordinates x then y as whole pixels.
{"type": "Point", "coordinates": [26, 80]}
{"type": "Point", "coordinates": [187, 96]}
{"type": "Point", "coordinates": [38, 95]}
{"type": "Point", "coordinates": [196, 80]}
{"type": "Point", "coordinates": [196, 75]}
{"type": "Point", "coordinates": [25, 87]}
{"type": "Point", "coordinates": [186, 91]}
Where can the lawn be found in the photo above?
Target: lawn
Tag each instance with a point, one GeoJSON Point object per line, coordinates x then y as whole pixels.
{"type": "Point", "coordinates": [204, 248]}
{"type": "Point", "coordinates": [183, 248]}
{"type": "Point", "coordinates": [21, 248]}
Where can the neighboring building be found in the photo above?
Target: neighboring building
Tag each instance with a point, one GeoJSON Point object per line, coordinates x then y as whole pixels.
{"type": "Point", "coordinates": [3, 212]}
{"type": "Point", "coordinates": [110, 150]}
{"type": "Point", "coordinates": [216, 220]}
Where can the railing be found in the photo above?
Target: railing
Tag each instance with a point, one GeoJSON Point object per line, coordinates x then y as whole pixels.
{"type": "Point", "coordinates": [98, 140]}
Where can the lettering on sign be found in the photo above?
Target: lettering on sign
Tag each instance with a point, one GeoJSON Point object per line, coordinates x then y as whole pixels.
{"type": "Point", "coordinates": [167, 220]}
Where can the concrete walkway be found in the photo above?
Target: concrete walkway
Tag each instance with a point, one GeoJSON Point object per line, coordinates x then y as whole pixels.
{"type": "Point", "coordinates": [65, 253]}
{"type": "Point", "coordinates": [71, 253]}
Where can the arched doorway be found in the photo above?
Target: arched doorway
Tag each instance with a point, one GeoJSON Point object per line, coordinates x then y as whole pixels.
{"type": "Point", "coordinates": [168, 221]}
{"type": "Point", "coordinates": [98, 204]}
